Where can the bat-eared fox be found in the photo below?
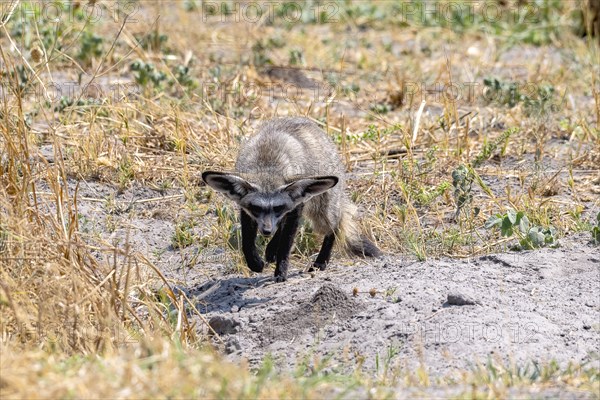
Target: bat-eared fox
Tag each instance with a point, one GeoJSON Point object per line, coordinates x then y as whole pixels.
{"type": "Point", "coordinates": [289, 169]}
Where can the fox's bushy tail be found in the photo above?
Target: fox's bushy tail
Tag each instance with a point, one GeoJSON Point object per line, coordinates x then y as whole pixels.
{"type": "Point", "coordinates": [355, 242]}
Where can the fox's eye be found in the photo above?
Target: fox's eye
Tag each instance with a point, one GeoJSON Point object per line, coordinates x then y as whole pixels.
{"type": "Point", "coordinates": [254, 209]}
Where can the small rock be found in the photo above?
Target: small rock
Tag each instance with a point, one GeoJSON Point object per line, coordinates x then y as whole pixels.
{"type": "Point", "coordinates": [181, 290]}
{"type": "Point", "coordinates": [461, 299]}
{"type": "Point", "coordinates": [232, 345]}
{"type": "Point", "coordinates": [223, 325]}
{"type": "Point", "coordinates": [473, 51]}
{"type": "Point", "coordinates": [235, 308]}
{"type": "Point", "coordinates": [587, 327]}
{"type": "Point", "coordinates": [47, 152]}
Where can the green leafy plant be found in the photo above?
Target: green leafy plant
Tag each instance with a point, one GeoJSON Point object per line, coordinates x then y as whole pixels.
{"type": "Point", "coordinates": [146, 73]}
{"type": "Point", "coordinates": [537, 100]}
{"type": "Point", "coordinates": [260, 58]}
{"type": "Point", "coordinates": [464, 175]}
{"type": "Point", "coordinates": [182, 74]}
{"type": "Point", "coordinates": [126, 172]}
{"type": "Point", "coordinates": [516, 223]}
{"type": "Point", "coordinates": [596, 231]}
{"type": "Point", "coordinates": [489, 149]}
{"type": "Point", "coordinates": [67, 102]}
{"type": "Point", "coordinates": [183, 235]}
{"type": "Point", "coordinates": [462, 180]}
{"type": "Point", "coordinates": [379, 108]}
{"type": "Point", "coordinates": [91, 46]}
{"type": "Point", "coordinates": [428, 195]}
{"type": "Point", "coordinates": [297, 57]}
{"type": "Point", "coordinates": [19, 75]}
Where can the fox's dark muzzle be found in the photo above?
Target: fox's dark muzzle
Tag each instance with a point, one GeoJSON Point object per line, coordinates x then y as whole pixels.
{"type": "Point", "coordinates": [266, 232]}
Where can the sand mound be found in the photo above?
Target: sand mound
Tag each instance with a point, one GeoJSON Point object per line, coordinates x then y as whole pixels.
{"type": "Point", "coordinates": [329, 305]}
{"type": "Point", "coordinates": [330, 300]}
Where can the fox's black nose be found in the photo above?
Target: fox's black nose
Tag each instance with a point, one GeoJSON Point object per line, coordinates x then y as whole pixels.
{"type": "Point", "coordinates": [266, 231]}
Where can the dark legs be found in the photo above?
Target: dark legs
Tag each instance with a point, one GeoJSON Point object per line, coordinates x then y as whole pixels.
{"type": "Point", "coordinates": [279, 247]}
{"type": "Point", "coordinates": [271, 251]}
{"type": "Point", "coordinates": [249, 229]}
{"type": "Point", "coordinates": [325, 253]}
{"type": "Point", "coordinates": [286, 233]}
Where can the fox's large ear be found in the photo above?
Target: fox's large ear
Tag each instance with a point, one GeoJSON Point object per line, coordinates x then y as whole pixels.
{"type": "Point", "coordinates": [231, 185]}
{"type": "Point", "coordinates": [303, 189]}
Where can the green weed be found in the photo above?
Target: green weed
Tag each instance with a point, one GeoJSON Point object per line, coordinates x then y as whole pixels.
{"type": "Point", "coordinates": [537, 100]}
{"type": "Point", "coordinates": [183, 235]}
{"type": "Point", "coordinates": [596, 231]}
{"type": "Point", "coordinates": [91, 46]}
{"type": "Point", "coordinates": [517, 224]}
{"type": "Point", "coordinates": [146, 73]}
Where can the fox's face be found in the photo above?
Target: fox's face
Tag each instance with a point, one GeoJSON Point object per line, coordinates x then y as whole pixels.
{"type": "Point", "coordinates": [268, 208]}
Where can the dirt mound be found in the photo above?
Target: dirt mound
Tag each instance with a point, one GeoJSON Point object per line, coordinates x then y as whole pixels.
{"type": "Point", "coordinates": [330, 299]}
{"type": "Point", "coordinates": [329, 305]}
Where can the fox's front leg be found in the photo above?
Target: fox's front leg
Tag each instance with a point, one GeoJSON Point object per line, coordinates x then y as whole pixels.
{"type": "Point", "coordinates": [286, 241]}
{"type": "Point", "coordinates": [249, 230]}
{"type": "Point", "coordinates": [271, 250]}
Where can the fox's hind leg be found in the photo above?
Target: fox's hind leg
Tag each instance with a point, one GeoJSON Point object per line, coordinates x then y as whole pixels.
{"type": "Point", "coordinates": [249, 230]}
{"type": "Point", "coordinates": [325, 253]}
{"type": "Point", "coordinates": [286, 241]}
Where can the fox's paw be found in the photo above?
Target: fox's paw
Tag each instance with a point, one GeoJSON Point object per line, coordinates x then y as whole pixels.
{"type": "Point", "coordinates": [271, 255]}
{"type": "Point", "coordinates": [256, 265]}
{"type": "Point", "coordinates": [317, 266]}
{"type": "Point", "coordinates": [281, 271]}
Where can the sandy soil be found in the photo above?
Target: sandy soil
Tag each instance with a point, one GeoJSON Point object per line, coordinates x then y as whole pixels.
{"type": "Point", "coordinates": [442, 314]}
{"type": "Point", "coordinates": [445, 315]}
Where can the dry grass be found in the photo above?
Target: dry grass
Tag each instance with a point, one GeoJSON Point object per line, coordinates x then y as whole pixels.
{"type": "Point", "coordinates": [159, 370]}
{"type": "Point", "coordinates": [69, 301]}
